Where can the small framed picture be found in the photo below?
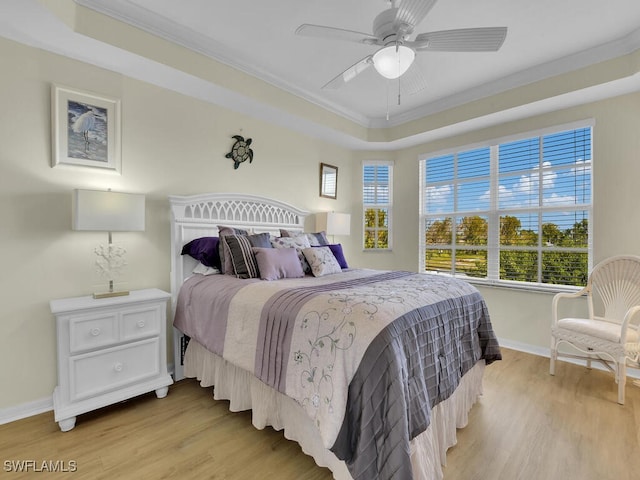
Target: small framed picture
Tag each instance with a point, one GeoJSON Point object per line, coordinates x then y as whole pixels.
{"type": "Point", "coordinates": [328, 181]}
{"type": "Point", "coordinates": [85, 129]}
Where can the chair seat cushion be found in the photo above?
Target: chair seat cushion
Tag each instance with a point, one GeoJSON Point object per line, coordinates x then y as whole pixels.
{"type": "Point", "coordinates": [597, 328]}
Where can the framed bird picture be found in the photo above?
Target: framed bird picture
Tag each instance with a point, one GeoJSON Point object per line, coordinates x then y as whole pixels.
{"type": "Point", "coordinates": [85, 129]}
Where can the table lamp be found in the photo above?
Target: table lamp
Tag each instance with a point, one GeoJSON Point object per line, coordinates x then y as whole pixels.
{"type": "Point", "coordinates": [333, 223]}
{"type": "Point", "coordinates": [96, 210]}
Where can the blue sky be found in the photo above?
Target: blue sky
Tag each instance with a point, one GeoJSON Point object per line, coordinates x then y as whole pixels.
{"type": "Point", "coordinates": [376, 184]}
{"type": "Point", "coordinates": [566, 177]}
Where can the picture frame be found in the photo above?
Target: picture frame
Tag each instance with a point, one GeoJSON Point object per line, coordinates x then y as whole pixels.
{"type": "Point", "coordinates": [328, 181]}
{"type": "Point", "coordinates": [85, 129]}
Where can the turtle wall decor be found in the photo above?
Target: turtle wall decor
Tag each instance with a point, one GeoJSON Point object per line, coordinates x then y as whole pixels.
{"type": "Point", "coordinates": [240, 151]}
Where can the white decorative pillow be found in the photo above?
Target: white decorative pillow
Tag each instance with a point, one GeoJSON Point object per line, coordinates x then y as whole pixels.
{"type": "Point", "coordinates": [322, 261]}
{"type": "Point", "coordinates": [315, 239]}
{"type": "Point", "coordinates": [299, 243]}
{"type": "Point", "coordinates": [205, 270]}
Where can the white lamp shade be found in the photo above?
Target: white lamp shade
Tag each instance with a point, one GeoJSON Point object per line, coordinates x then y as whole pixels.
{"type": "Point", "coordinates": [392, 62]}
{"type": "Point", "coordinates": [108, 211]}
{"type": "Point", "coordinates": [333, 223]}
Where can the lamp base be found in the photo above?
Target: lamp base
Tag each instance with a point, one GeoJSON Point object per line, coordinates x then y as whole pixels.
{"type": "Point", "coordinates": [111, 294]}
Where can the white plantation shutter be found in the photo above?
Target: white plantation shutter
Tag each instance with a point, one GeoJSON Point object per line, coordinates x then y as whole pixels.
{"type": "Point", "coordinates": [377, 195]}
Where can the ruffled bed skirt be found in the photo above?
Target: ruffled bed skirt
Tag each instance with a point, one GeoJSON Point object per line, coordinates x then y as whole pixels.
{"type": "Point", "coordinates": [269, 407]}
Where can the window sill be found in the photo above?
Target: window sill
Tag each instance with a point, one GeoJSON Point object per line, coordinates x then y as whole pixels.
{"type": "Point", "coordinates": [512, 285]}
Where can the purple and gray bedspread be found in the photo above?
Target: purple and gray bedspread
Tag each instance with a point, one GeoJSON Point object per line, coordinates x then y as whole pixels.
{"type": "Point", "coordinates": [366, 353]}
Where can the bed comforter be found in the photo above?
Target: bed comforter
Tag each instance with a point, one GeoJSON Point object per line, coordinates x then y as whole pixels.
{"type": "Point", "coordinates": [366, 353]}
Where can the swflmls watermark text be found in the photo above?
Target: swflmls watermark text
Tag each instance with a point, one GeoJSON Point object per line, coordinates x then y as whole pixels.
{"type": "Point", "coordinates": [38, 466]}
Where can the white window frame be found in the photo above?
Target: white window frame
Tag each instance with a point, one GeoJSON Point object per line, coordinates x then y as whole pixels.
{"type": "Point", "coordinates": [493, 213]}
{"type": "Point", "coordinates": [387, 206]}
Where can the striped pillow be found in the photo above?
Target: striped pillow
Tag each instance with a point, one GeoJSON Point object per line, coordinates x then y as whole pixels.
{"type": "Point", "coordinates": [225, 261]}
{"type": "Point", "coordinates": [241, 256]}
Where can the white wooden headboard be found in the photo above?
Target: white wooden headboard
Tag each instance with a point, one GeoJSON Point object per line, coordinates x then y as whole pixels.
{"type": "Point", "coordinates": [196, 216]}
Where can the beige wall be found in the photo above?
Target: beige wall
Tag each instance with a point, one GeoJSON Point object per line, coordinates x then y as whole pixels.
{"type": "Point", "coordinates": [522, 318]}
{"type": "Point", "coordinates": [172, 144]}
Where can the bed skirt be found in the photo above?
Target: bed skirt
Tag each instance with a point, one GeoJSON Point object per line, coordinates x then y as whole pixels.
{"type": "Point", "coordinates": [272, 408]}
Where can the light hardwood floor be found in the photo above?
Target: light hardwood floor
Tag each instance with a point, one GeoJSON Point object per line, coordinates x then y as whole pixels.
{"type": "Point", "coordinates": [528, 425]}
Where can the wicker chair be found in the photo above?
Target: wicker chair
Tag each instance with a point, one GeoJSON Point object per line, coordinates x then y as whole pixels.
{"type": "Point", "coordinates": [613, 338]}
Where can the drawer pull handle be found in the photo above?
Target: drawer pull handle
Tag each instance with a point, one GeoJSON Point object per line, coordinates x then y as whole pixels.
{"type": "Point", "coordinates": [95, 332]}
{"type": "Point", "coordinates": [118, 367]}
{"type": "Point", "coordinates": [141, 323]}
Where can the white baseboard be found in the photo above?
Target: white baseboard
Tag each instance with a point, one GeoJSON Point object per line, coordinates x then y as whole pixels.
{"type": "Point", "coordinates": [11, 414]}
{"type": "Point", "coordinates": [524, 347]}
{"type": "Point", "coordinates": [29, 409]}
{"type": "Point", "coordinates": [546, 352]}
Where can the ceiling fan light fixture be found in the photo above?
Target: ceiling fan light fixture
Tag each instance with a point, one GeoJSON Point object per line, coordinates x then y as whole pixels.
{"type": "Point", "coordinates": [393, 61]}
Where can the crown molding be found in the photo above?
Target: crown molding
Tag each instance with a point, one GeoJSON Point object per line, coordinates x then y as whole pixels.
{"type": "Point", "coordinates": [617, 48]}
{"type": "Point", "coordinates": [151, 22]}
{"type": "Point", "coordinates": [127, 12]}
{"type": "Point", "coordinates": [46, 32]}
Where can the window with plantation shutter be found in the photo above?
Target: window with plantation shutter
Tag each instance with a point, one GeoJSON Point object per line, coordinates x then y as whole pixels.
{"type": "Point", "coordinates": [377, 187]}
{"type": "Point", "coordinates": [511, 211]}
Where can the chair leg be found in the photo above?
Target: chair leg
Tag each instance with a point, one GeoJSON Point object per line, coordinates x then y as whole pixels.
{"type": "Point", "coordinates": [622, 378]}
{"type": "Point", "coordinates": [553, 356]}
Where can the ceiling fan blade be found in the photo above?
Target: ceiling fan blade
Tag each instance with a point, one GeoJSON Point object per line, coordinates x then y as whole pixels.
{"type": "Point", "coordinates": [412, 12]}
{"type": "Point", "coordinates": [413, 80]}
{"type": "Point", "coordinates": [485, 39]}
{"type": "Point", "coordinates": [330, 33]}
{"type": "Point", "coordinates": [350, 73]}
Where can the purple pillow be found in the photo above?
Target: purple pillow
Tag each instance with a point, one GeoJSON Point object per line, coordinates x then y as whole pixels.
{"type": "Point", "coordinates": [336, 249]}
{"type": "Point", "coordinates": [205, 250]}
{"type": "Point", "coordinates": [277, 263]}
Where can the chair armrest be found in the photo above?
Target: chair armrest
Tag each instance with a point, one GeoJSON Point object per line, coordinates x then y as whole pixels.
{"type": "Point", "coordinates": [563, 295]}
{"type": "Point", "coordinates": [627, 320]}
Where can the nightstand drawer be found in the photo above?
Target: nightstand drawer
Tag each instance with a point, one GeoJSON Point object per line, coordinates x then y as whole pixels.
{"type": "Point", "coordinates": [99, 372]}
{"type": "Point", "coordinates": [93, 331]}
{"type": "Point", "coordinates": [141, 322]}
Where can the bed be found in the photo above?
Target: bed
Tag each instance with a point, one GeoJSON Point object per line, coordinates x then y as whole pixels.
{"type": "Point", "coordinates": [371, 372]}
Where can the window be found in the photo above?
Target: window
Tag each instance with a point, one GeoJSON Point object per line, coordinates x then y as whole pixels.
{"type": "Point", "coordinates": [512, 211]}
{"type": "Point", "coordinates": [377, 198]}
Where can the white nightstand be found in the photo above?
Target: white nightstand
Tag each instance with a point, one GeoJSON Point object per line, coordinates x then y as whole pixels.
{"type": "Point", "coordinates": [109, 350]}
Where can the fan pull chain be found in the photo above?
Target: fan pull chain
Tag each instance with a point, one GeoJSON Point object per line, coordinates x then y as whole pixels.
{"type": "Point", "coordinates": [387, 82]}
{"type": "Point", "coordinates": [398, 46]}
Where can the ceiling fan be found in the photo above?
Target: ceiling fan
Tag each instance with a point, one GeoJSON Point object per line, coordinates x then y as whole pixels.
{"type": "Point", "coordinates": [392, 30]}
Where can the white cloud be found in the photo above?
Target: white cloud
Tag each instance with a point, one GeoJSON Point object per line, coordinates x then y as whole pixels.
{"type": "Point", "coordinates": [504, 194]}
{"type": "Point", "coordinates": [529, 184]}
{"type": "Point", "coordinates": [439, 195]}
{"type": "Point", "coordinates": [556, 199]}
{"type": "Point", "coordinates": [582, 167]}
{"type": "Point", "coordinates": [527, 187]}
